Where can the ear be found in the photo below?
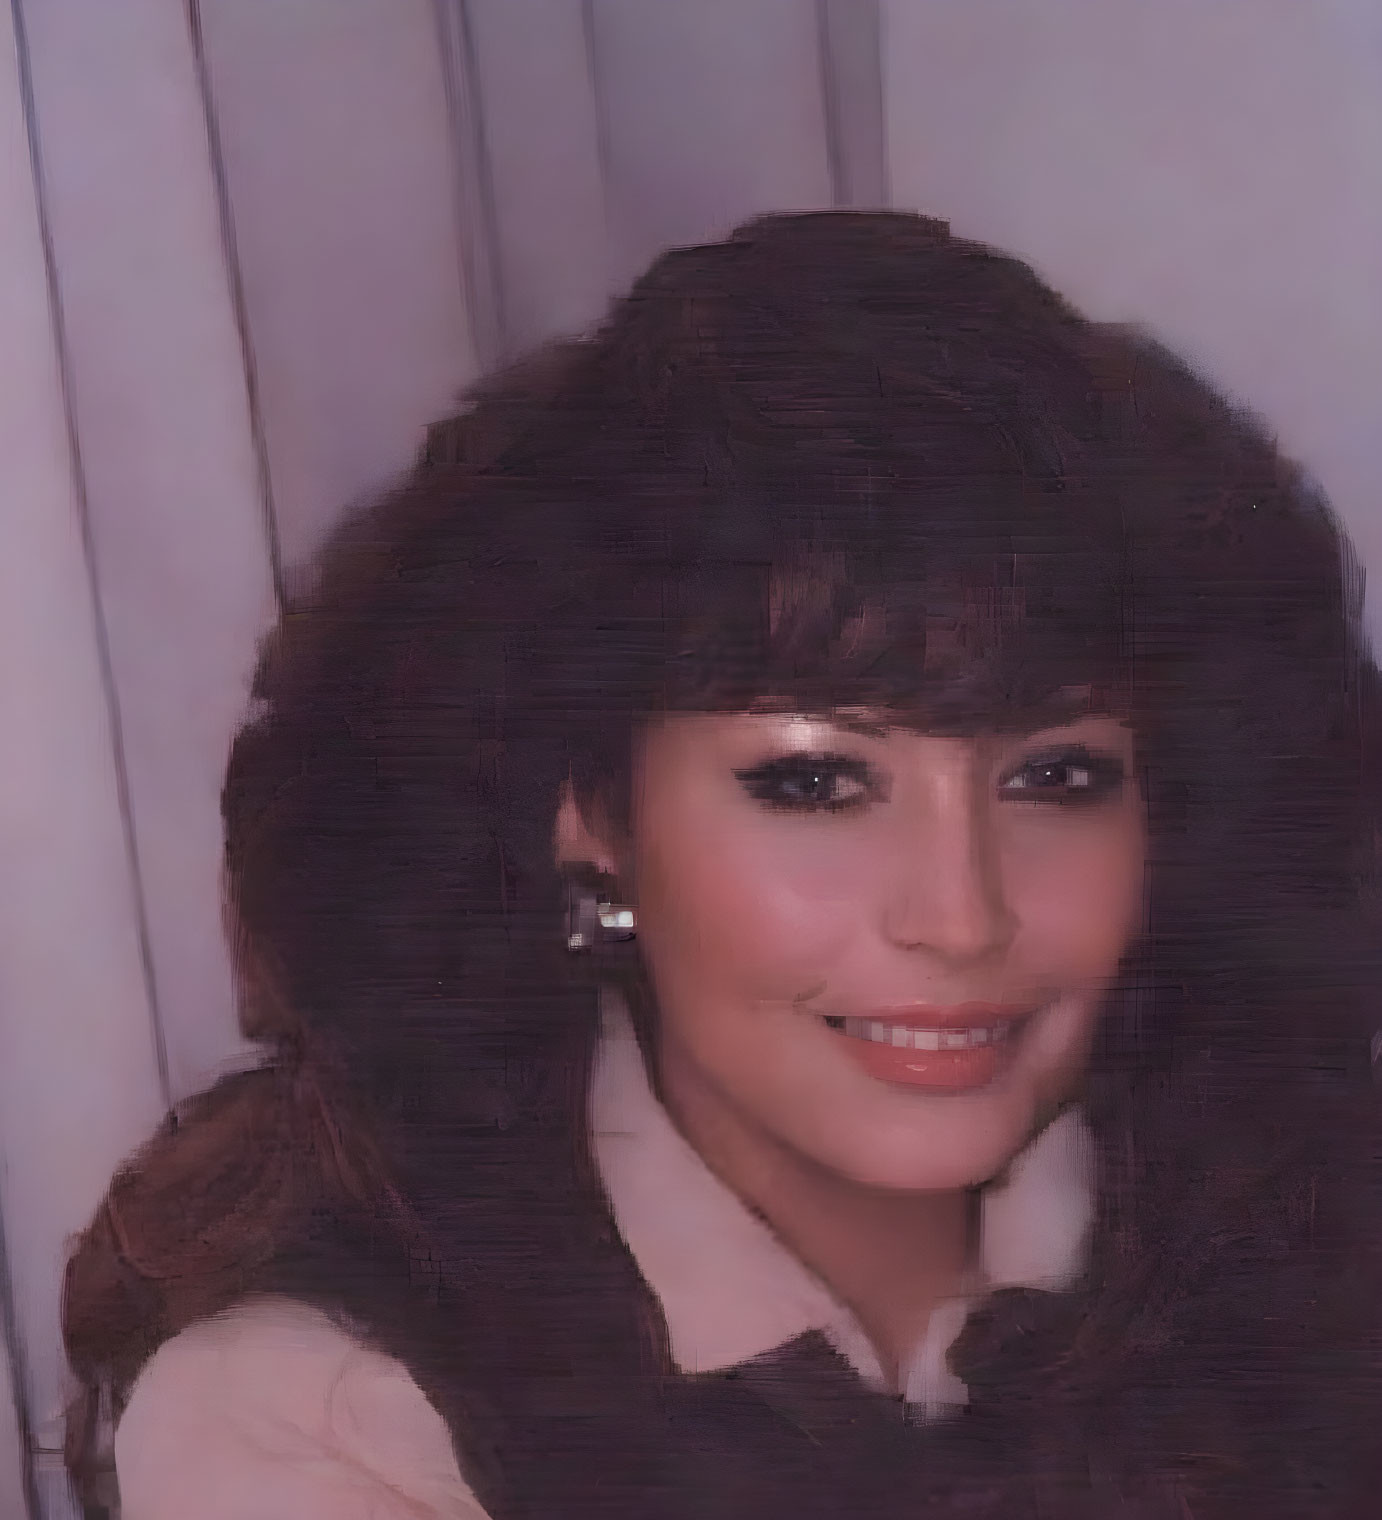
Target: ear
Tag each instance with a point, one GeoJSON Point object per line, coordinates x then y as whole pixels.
{"type": "Point", "coordinates": [574, 841]}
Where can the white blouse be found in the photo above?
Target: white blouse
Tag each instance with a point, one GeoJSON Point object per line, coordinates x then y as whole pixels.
{"type": "Point", "coordinates": [270, 1411]}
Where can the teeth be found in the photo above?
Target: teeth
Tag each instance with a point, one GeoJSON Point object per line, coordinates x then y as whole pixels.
{"type": "Point", "coordinates": [902, 1038]}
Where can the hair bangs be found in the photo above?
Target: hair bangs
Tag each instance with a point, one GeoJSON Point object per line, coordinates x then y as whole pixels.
{"type": "Point", "coordinates": [941, 634]}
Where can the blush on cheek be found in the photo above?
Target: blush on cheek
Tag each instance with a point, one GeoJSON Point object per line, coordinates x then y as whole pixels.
{"type": "Point", "coordinates": [742, 924]}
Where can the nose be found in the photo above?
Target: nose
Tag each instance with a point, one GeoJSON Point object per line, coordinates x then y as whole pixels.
{"type": "Point", "coordinates": [947, 896]}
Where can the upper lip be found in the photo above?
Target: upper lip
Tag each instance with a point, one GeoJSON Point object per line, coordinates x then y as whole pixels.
{"type": "Point", "coordinates": [960, 1016]}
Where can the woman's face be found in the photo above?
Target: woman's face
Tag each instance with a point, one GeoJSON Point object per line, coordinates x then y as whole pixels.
{"type": "Point", "coordinates": [883, 950]}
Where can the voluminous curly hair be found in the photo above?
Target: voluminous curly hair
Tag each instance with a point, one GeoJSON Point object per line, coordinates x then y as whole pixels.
{"type": "Point", "coordinates": [838, 458]}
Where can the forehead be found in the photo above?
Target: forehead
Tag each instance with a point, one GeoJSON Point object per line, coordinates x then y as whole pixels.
{"type": "Point", "coordinates": [1065, 704]}
{"type": "Point", "coordinates": [779, 724]}
{"type": "Point", "coordinates": [1055, 708]}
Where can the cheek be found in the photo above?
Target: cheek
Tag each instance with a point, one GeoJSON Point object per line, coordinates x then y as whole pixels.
{"type": "Point", "coordinates": [1077, 892]}
{"type": "Point", "coordinates": [748, 906]}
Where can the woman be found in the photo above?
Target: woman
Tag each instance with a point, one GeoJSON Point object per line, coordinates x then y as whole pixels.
{"type": "Point", "coordinates": [807, 884]}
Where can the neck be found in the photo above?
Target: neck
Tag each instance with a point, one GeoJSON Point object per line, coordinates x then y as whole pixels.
{"type": "Point", "coordinates": [889, 1256]}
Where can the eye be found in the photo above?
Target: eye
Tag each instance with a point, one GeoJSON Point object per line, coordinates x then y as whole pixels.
{"type": "Point", "coordinates": [1072, 777]}
{"type": "Point", "coordinates": [812, 783]}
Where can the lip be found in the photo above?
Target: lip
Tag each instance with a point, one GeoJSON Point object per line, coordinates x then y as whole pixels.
{"type": "Point", "coordinates": [960, 1016]}
{"type": "Point", "coordinates": [941, 1070]}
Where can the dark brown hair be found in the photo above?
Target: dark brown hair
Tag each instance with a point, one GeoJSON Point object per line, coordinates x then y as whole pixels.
{"type": "Point", "coordinates": [836, 458]}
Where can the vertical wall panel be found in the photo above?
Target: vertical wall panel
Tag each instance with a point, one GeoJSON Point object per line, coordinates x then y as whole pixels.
{"type": "Point", "coordinates": [852, 79]}
{"type": "Point", "coordinates": [712, 112]}
{"type": "Point", "coordinates": [14, 1495]}
{"type": "Point", "coordinates": [78, 1079]}
{"type": "Point", "coordinates": [1212, 170]}
{"type": "Point", "coordinates": [529, 71]}
{"type": "Point", "coordinates": [595, 133]}
{"type": "Point", "coordinates": [338, 157]}
{"type": "Point", "coordinates": [157, 385]}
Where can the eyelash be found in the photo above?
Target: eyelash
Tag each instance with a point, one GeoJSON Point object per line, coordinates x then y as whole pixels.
{"type": "Point", "coordinates": [1104, 777]}
{"type": "Point", "coordinates": [764, 782]}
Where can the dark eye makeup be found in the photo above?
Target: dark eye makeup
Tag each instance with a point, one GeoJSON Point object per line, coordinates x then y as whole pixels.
{"type": "Point", "coordinates": [1070, 775]}
{"type": "Point", "coordinates": [813, 783]}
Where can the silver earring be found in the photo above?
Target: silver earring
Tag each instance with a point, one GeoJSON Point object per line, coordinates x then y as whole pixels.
{"type": "Point", "coordinates": [593, 918]}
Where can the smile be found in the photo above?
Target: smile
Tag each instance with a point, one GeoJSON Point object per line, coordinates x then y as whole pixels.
{"type": "Point", "coordinates": [900, 1037]}
{"type": "Point", "coordinates": [960, 1056]}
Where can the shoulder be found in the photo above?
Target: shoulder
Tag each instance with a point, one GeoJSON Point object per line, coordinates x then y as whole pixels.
{"type": "Point", "coordinates": [272, 1410]}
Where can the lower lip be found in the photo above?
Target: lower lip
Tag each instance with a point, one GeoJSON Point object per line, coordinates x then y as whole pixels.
{"type": "Point", "coordinates": [939, 1070]}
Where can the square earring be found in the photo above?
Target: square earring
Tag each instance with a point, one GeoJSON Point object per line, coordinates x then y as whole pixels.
{"type": "Point", "coordinates": [593, 918]}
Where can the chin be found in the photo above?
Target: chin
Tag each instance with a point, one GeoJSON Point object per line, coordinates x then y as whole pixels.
{"type": "Point", "coordinates": [916, 1139]}
{"type": "Point", "coordinates": [941, 1144]}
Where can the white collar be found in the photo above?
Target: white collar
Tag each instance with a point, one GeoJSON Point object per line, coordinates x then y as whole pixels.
{"type": "Point", "coordinates": [731, 1291]}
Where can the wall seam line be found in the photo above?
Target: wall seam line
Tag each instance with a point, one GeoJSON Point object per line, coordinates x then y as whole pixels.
{"type": "Point", "coordinates": [603, 151]}
{"type": "Point", "coordinates": [830, 106]}
{"type": "Point", "coordinates": [845, 160]}
{"type": "Point", "coordinates": [18, 1364]}
{"type": "Point", "coordinates": [482, 272]}
{"type": "Point", "coordinates": [230, 253]}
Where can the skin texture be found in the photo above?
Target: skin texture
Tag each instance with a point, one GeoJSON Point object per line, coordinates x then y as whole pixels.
{"type": "Point", "coordinates": [951, 876]}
